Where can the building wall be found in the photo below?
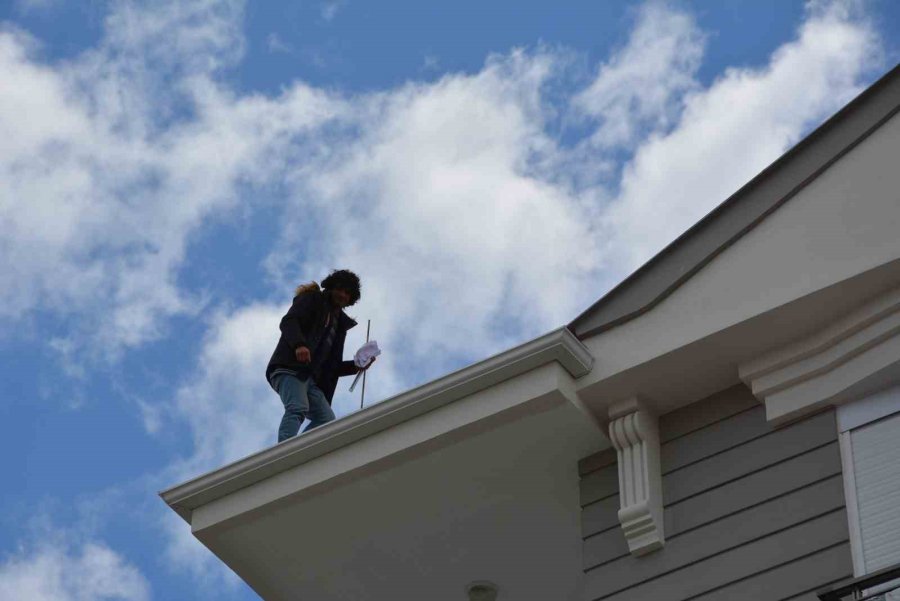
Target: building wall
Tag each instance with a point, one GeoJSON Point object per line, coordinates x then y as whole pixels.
{"type": "Point", "coordinates": [751, 512]}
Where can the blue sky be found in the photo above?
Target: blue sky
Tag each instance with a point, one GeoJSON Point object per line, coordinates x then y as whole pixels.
{"type": "Point", "coordinates": [170, 171]}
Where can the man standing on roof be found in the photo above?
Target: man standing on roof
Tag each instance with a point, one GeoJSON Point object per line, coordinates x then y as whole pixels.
{"type": "Point", "coordinates": [308, 360]}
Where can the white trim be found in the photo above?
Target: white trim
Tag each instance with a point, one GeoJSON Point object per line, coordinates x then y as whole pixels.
{"type": "Point", "coordinates": [850, 417]}
{"type": "Point", "coordinates": [856, 542]}
{"type": "Point", "coordinates": [874, 450]}
{"type": "Point", "coordinates": [852, 357]}
{"type": "Point", "coordinates": [867, 410]}
{"type": "Point", "coordinates": [871, 313]}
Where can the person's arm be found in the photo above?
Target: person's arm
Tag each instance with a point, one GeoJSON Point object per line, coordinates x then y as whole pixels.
{"type": "Point", "coordinates": [290, 323]}
{"type": "Point", "coordinates": [347, 368]}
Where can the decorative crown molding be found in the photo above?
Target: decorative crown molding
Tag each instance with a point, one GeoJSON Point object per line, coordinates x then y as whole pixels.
{"type": "Point", "coordinates": [851, 357]}
{"type": "Point", "coordinates": [634, 433]}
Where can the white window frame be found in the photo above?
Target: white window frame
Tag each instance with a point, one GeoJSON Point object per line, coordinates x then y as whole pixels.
{"type": "Point", "coordinates": [849, 417]}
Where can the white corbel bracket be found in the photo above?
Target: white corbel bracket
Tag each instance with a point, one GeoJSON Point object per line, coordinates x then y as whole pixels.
{"type": "Point", "coordinates": [634, 433]}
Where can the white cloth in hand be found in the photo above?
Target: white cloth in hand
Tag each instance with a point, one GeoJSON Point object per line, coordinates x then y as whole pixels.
{"type": "Point", "coordinates": [366, 353]}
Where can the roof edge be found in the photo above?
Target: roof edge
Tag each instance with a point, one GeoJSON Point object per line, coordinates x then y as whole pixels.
{"type": "Point", "coordinates": [559, 345]}
{"type": "Point", "coordinates": [743, 210]}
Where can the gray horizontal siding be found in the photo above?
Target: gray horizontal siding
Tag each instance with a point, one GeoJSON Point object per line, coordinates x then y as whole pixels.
{"type": "Point", "coordinates": [795, 580]}
{"type": "Point", "coordinates": [747, 508]}
{"type": "Point", "coordinates": [600, 484]}
{"type": "Point", "coordinates": [727, 533]}
{"type": "Point", "coordinates": [715, 408]}
{"type": "Point", "coordinates": [795, 472]}
{"type": "Point", "coordinates": [745, 459]}
{"type": "Point", "coordinates": [735, 564]}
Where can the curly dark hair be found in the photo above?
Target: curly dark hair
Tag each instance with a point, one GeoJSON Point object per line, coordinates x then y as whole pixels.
{"type": "Point", "coordinates": [343, 279]}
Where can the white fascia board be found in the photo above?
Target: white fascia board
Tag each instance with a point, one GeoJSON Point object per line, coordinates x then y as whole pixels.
{"type": "Point", "coordinates": [559, 346]}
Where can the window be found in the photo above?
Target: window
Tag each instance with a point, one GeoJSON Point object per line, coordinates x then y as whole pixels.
{"type": "Point", "coordinates": [870, 452]}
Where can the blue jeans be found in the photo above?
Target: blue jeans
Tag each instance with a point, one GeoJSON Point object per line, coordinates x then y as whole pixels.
{"type": "Point", "coordinates": [301, 400]}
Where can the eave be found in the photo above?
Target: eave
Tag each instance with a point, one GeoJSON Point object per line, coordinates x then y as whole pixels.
{"type": "Point", "coordinates": [559, 346]}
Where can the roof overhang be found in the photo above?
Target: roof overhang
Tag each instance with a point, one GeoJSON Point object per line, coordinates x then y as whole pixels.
{"type": "Point", "coordinates": [557, 348]}
{"type": "Point", "coordinates": [448, 483]}
{"type": "Point", "coordinates": [495, 500]}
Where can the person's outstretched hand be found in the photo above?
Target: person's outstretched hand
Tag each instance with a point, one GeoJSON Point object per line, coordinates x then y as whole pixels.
{"type": "Point", "coordinates": [303, 355]}
{"type": "Point", "coordinates": [367, 366]}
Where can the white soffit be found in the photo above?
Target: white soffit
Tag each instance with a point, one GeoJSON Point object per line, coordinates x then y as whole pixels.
{"type": "Point", "coordinates": [499, 503]}
{"type": "Point", "coordinates": [559, 346]}
{"type": "Point", "coordinates": [853, 356]}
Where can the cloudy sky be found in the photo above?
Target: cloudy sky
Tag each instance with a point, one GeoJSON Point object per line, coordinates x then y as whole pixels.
{"type": "Point", "coordinates": [170, 171]}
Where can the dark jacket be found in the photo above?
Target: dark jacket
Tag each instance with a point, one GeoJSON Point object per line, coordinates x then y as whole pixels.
{"type": "Point", "coordinates": [303, 325]}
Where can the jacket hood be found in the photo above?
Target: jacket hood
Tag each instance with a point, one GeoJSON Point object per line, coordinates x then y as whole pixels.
{"type": "Point", "coordinates": [308, 287]}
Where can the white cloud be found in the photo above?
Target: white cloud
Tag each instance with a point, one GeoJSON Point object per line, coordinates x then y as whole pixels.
{"type": "Point", "coordinates": [642, 85]}
{"type": "Point", "coordinates": [58, 572]}
{"type": "Point", "coordinates": [102, 185]}
{"type": "Point", "coordinates": [733, 129]}
{"type": "Point", "coordinates": [230, 408]}
{"type": "Point", "coordinates": [430, 63]}
{"type": "Point", "coordinates": [276, 45]}
{"type": "Point", "coordinates": [434, 204]}
{"type": "Point", "coordinates": [330, 9]}
{"type": "Point", "coordinates": [451, 190]}
{"type": "Point", "coordinates": [200, 36]}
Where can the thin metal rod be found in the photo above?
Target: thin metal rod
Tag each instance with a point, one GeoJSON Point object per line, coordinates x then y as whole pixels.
{"type": "Point", "coordinates": [362, 398]}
